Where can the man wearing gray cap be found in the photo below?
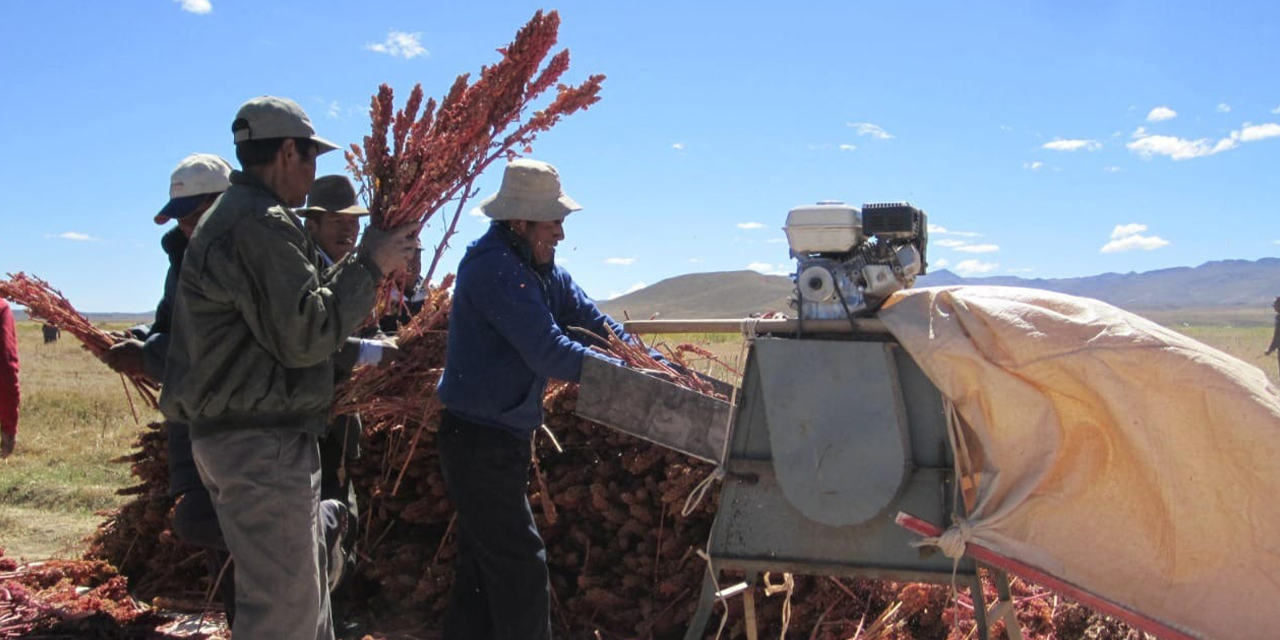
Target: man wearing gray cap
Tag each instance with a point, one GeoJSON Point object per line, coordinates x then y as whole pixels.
{"type": "Point", "coordinates": [250, 366]}
{"type": "Point", "coordinates": [509, 331]}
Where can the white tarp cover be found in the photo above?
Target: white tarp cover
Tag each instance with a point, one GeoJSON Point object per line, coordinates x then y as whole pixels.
{"type": "Point", "coordinates": [1111, 452]}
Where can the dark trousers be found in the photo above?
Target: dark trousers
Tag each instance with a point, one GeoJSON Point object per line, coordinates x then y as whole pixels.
{"type": "Point", "coordinates": [500, 588]}
{"type": "Point", "coordinates": [196, 523]}
{"type": "Point", "coordinates": [337, 449]}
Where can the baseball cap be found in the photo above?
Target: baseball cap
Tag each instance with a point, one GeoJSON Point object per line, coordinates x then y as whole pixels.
{"type": "Point", "coordinates": [269, 117]}
{"type": "Point", "coordinates": [195, 177]}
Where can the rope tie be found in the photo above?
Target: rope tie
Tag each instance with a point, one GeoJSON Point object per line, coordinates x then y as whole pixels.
{"type": "Point", "coordinates": [789, 586]}
{"type": "Point", "coordinates": [711, 573]}
{"type": "Point", "coordinates": [699, 492]}
{"type": "Point", "coordinates": [952, 542]}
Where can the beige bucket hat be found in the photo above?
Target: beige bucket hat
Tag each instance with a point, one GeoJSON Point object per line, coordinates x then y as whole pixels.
{"type": "Point", "coordinates": [334, 194]}
{"type": "Point", "coordinates": [530, 191]}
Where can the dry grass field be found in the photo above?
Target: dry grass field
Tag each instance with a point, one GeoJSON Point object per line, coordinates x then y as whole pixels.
{"type": "Point", "coordinates": [75, 419]}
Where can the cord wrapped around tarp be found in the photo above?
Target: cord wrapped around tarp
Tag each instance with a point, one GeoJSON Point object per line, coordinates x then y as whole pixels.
{"type": "Point", "coordinates": [1113, 453]}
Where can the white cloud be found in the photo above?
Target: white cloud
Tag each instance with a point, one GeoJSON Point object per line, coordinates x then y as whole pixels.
{"type": "Point", "coordinates": [1060, 144]}
{"type": "Point", "coordinates": [77, 236]}
{"type": "Point", "coordinates": [1276, 110]}
{"type": "Point", "coordinates": [750, 225]}
{"type": "Point", "coordinates": [1126, 230]}
{"type": "Point", "coordinates": [697, 260]}
{"type": "Point", "coordinates": [1147, 145]}
{"type": "Point", "coordinates": [1131, 243]}
{"type": "Point", "coordinates": [1255, 132]}
{"type": "Point", "coordinates": [967, 267]}
{"type": "Point", "coordinates": [868, 129]}
{"type": "Point", "coordinates": [400, 44]}
{"type": "Point", "coordinates": [1032, 166]}
{"type": "Point", "coordinates": [964, 247]}
{"type": "Point", "coordinates": [943, 231]}
{"type": "Point", "coordinates": [1275, 241]}
{"type": "Point", "coordinates": [198, 7]}
{"type": "Point", "coordinates": [770, 269]}
{"type": "Point", "coordinates": [1160, 114]}
{"type": "Point", "coordinates": [634, 288]}
{"type": "Point", "coordinates": [678, 146]}
{"type": "Point", "coordinates": [940, 263]}
{"type": "Point", "coordinates": [848, 147]}
{"type": "Point", "coordinates": [334, 111]}
{"type": "Point", "coordinates": [1128, 237]}
{"type": "Point", "coordinates": [620, 261]}
{"type": "Point", "coordinates": [1223, 108]}
{"type": "Point", "coordinates": [978, 248]}
{"type": "Point", "coordinates": [1112, 169]}
{"type": "Point", "coordinates": [775, 240]}
{"type": "Point", "coordinates": [1022, 270]}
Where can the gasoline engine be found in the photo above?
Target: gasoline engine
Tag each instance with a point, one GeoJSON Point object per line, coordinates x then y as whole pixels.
{"type": "Point", "coordinates": [850, 261]}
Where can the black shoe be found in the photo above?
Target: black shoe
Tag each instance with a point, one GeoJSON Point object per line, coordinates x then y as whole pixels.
{"type": "Point", "coordinates": [349, 628]}
{"type": "Point", "coordinates": [335, 516]}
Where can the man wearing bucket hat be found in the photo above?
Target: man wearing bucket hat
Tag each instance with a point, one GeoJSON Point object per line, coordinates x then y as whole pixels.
{"type": "Point", "coordinates": [509, 331]}
{"type": "Point", "coordinates": [332, 216]}
{"type": "Point", "coordinates": [250, 365]}
{"type": "Point", "coordinates": [195, 183]}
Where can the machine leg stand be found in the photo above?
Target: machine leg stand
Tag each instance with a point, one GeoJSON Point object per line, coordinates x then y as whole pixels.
{"type": "Point", "coordinates": [1004, 605]}
{"type": "Point", "coordinates": [979, 607]}
{"type": "Point", "coordinates": [706, 601]}
{"type": "Point", "coordinates": [708, 598]}
{"type": "Point", "coordinates": [1001, 610]}
{"type": "Point", "coordinates": [749, 607]}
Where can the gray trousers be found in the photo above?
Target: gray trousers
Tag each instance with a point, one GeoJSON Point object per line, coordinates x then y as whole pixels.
{"type": "Point", "coordinates": [265, 485]}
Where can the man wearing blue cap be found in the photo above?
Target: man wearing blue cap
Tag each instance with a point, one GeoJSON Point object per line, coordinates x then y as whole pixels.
{"type": "Point", "coordinates": [196, 182]}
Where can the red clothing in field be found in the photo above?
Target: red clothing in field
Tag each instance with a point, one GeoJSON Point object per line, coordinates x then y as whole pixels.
{"type": "Point", "coordinates": [10, 397]}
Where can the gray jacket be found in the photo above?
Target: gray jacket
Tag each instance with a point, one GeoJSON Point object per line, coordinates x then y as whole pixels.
{"type": "Point", "coordinates": [256, 323]}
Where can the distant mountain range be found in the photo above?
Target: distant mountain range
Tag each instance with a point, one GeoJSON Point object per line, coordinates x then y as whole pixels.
{"type": "Point", "coordinates": [735, 294]}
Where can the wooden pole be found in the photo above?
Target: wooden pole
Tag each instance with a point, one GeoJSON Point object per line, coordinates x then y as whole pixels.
{"type": "Point", "coordinates": [1038, 576]}
{"type": "Point", "coordinates": [760, 326]}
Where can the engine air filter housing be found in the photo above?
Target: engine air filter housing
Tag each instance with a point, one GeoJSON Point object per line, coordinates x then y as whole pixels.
{"type": "Point", "coordinates": [826, 227]}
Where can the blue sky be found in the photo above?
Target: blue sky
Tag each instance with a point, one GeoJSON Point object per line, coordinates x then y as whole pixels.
{"type": "Point", "coordinates": [1048, 139]}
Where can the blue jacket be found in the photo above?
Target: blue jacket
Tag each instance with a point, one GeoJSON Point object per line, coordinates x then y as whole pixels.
{"type": "Point", "coordinates": [156, 340]}
{"type": "Point", "coordinates": [509, 331]}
